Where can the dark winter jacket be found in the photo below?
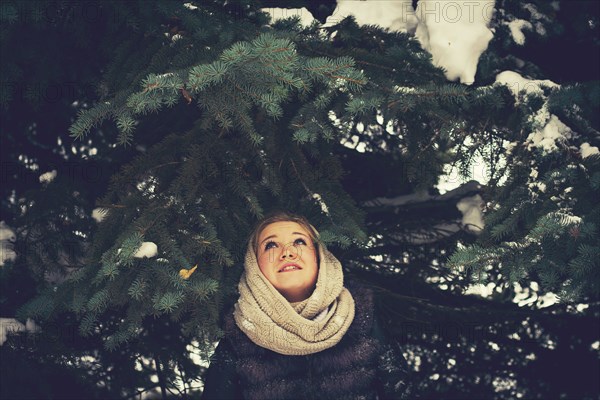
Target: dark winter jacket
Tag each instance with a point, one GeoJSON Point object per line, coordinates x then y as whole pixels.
{"type": "Point", "coordinates": [363, 365]}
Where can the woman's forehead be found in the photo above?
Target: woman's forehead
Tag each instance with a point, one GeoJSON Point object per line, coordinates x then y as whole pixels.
{"type": "Point", "coordinates": [283, 228]}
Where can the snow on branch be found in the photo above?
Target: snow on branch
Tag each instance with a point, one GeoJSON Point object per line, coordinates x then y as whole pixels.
{"type": "Point", "coordinates": [466, 199]}
{"type": "Point", "coordinates": [456, 34]}
{"type": "Point", "coordinates": [421, 197]}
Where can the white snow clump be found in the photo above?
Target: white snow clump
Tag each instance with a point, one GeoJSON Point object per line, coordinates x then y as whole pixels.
{"type": "Point", "coordinates": [396, 15]}
{"type": "Point", "coordinates": [516, 30]}
{"type": "Point", "coordinates": [147, 249]}
{"type": "Point", "coordinates": [516, 83]}
{"type": "Point", "coordinates": [456, 33]}
{"type": "Point", "coordinates": [471, 209]}
{"type": "Point", "coordinates": [319, 200]}
{"type": "Point", "coordinates": [98, 214]}
{"type": "Point", "coordinates": [48, 176]}
{"type": "Point", "coordinates": [548, 129]}
{"type": "Point", "coordinates": [537, 18]}
{"type": "Point", "coordinates": [7, 237]}
{"type": "Point", "coordinates": [554, 132]}
{"type": "Point", "coordinates": [11, 325]}
{"type": "Point", "coordinates": [587, 150]}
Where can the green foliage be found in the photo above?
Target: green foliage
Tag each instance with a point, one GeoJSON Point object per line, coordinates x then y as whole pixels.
{"type": "Point", "coordinates": [544, 227]}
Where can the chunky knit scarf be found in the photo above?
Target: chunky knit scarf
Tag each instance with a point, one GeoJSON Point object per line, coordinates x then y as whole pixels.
{"type": "Point", "coordinates": [302, 328]}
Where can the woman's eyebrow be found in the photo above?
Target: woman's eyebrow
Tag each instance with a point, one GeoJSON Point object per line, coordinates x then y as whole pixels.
{"type": "Point", "coordinates": [272, 236]}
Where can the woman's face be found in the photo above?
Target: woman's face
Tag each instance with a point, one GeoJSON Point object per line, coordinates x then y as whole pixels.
{"type": "Point", "coordinates": [287, 257]}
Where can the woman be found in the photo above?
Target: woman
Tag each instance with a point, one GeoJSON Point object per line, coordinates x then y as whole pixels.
{"type": "Point", "coordinates": [296, 332]}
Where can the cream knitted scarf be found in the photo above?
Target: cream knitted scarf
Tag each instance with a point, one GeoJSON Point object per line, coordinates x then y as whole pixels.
{"type": "Point", "coordinates": [307, 327]}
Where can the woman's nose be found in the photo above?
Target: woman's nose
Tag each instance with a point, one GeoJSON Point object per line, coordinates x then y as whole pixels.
{"type": "Point", "coordinates": [288, 252]}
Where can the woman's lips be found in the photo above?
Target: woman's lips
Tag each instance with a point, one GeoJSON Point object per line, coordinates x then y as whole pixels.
{"type": "Point", "coordinates": [289, 268]}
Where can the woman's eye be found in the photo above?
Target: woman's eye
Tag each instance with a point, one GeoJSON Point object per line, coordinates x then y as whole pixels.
{"type": "Point", "coordinates": [299, 241]}
{"type": "Point", "coordinates": [270, 245]}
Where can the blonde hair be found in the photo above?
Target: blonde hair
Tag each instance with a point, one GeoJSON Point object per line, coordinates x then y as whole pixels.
{"type": "Point", "coordinates": [284, 216]}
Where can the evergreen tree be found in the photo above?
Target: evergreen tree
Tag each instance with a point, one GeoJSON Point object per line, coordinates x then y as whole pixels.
{"type": "Point", "coordinates": [205, 116]}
